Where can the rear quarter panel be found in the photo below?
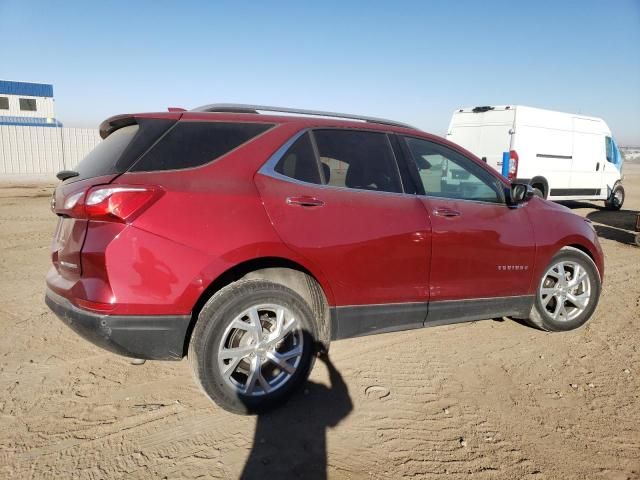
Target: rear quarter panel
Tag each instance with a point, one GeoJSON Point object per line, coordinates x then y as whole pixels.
{"type": "Point", "coordinates": [208, 220]}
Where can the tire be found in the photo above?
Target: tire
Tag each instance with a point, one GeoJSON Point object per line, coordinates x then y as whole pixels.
{"type": "Point", "coordinates": [537, 192]}
{"type": "Point", "coordinates": [228, 321]}
{"type": "Point", "coordinates": [553, 309]}
{"type": "Point", "coordinates": [616, 199]}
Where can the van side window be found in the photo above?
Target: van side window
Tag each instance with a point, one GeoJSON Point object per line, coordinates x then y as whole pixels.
{"type": "Point", "coordinates": [610, 153]}
{"type": "Point", "coordinates": [447, 174]}
{"type": "Point", "coordinates": [356, 159]}
{"type": "Point", "coordinates": [300, 162]}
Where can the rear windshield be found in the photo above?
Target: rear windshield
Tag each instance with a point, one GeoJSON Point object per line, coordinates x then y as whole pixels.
{"type": "Point", "coordinates": [116, 153]}
{"type": "Point", "coordinates": [191, 144]}
{"type": "Point", "coordinates": [103, 158]}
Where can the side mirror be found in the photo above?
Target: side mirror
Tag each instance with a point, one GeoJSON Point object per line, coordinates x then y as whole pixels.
{"type": "Point", "coordinates": [520, 193]}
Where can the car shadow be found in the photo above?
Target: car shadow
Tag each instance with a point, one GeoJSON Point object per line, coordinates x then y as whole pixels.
{"type": "Point", "coordinates": [616, 225]}
{"type": "Point", "coordinates": [290, 442]}
{"type": "Point", "coordinates": [573, 204]}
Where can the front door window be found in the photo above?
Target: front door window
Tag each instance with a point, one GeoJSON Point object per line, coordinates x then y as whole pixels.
{"type": "Point", "coordinates": [447, 174]}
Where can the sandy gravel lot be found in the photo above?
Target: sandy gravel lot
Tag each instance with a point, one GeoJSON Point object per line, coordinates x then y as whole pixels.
{"type": "Point", "coordinates": [484, 400]}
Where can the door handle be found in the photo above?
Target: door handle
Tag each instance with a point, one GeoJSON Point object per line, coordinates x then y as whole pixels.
{"type": "Point", "coordinates": [446, 212]}
{"type": "Point", "coordinates": [597, 166]}
{"type": "Point", "coordinates": [305, 201]}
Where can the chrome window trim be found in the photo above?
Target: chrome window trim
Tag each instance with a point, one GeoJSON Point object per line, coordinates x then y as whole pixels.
{"type": "Point", "coordinates": [268, 169]}
{"type": "Point", "coordinates": [483, 202]}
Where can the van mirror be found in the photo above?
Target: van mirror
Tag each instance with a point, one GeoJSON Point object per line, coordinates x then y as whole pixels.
{"type": "Point", "coordinates": [520, 193]}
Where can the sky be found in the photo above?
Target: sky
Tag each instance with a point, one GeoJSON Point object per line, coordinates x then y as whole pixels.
{"type": "Point", "coordinates": [411, 61]}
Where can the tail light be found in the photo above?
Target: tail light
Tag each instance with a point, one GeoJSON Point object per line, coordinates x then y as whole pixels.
{"type": "Point", "coordinates": [111, 203]}
{"type": "Point", "coordinates": [118, 203]}
{"type": "Point", "coordinates": [513, 164]}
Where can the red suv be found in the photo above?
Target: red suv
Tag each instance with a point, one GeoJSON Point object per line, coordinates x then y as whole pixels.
{"type": "Point", "coordinates": [249, 241]}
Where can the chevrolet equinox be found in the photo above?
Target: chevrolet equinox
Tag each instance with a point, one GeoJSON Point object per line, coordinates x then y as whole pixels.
{"type": "Point", "coordinates": [248, 241]}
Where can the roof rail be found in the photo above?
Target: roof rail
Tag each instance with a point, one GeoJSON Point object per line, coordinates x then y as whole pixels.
{"type": "Point", "coordinates": [241, 108]}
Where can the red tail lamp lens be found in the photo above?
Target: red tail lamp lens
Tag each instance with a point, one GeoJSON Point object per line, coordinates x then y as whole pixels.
{"type": "Point", "coordinates": [118, 203]}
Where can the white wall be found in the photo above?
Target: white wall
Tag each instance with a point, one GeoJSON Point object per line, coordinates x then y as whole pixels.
{"type": "Point", "coordinates": [43, 150]}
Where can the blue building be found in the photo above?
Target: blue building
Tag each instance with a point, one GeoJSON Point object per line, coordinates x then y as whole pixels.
{"type": "Point", "coordinates": [27, 104]}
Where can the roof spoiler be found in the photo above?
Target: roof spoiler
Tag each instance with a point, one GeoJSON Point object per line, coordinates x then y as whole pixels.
{"type": "Point", "coordinates": [112, 124]}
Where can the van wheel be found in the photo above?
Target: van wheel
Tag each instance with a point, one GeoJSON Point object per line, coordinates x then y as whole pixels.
{"type": "Point", "coordinates": [616, 199]}
{"type": "Point", "coordinates": [568, 292]}
{"type": "Point", "coordinates": [252, 346]}
{"type": "Point", "coordinates": [537, 192]}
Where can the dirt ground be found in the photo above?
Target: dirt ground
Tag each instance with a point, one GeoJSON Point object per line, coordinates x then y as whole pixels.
{"type": "Point", "coordinates": [484, 400]}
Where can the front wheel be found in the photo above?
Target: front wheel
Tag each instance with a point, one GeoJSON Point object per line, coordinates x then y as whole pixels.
{"type": "Point", "coordinates": [568, 292]}
{"type": "Point", "coordinates": [253, 345]}
{"type": "Point", "coordinates": [616, 199]}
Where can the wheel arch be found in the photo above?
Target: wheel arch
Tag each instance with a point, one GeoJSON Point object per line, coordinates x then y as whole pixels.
{"type": "Point", "coordinates": [541, 181]}
{"type": "Point", "coordinates": [311, 287]}
{"type": "Point", "coordinates": [583, 249]}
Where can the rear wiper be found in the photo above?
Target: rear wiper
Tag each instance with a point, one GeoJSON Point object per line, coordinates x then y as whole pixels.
{"type": "Point", "coordinates": [64, 174]}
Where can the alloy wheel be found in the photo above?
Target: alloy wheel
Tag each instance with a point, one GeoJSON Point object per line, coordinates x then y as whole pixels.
{"type": "Point", "coordinates": [565, 291]}
{"type": "Point", "coordinates": [260, 349]}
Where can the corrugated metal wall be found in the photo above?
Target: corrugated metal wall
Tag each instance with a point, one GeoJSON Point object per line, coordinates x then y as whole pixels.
{"type": "Point", "coordinates": [42, 150]}
{"type": "Point", "coordinates": [77, 142]}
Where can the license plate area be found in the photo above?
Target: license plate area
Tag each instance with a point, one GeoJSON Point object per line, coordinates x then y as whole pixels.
{"type": "Point", "coordinates": [66, 246]}
{"type": "Point", "coordinates": [62, 233]}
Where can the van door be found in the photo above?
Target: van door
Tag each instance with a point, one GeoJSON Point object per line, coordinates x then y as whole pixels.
{"type": "Point", "coordinates": [589, 157]}
{"type": "Point", "coordinates": [486, 134]}
{"type": "Point", "coordinates": [545, 152]}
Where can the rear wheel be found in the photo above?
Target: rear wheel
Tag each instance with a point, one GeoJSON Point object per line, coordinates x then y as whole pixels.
{"type": "Point", "coordinates": [568, 292]}
{"type": "Point", "coordinates": [253, 345]}
{"type": "Point", "coordinates": [616, 199]}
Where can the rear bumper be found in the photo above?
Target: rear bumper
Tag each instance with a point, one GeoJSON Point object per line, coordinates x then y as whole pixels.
{"type": "Point", "coordinates": [155, 337]}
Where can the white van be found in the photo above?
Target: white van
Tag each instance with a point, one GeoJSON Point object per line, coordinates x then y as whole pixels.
{"type": "Point", "coordinates": [564, 156]}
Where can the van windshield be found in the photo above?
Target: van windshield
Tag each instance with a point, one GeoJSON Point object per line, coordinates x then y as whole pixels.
{"type": "Point", "coordinates": [613, 153]}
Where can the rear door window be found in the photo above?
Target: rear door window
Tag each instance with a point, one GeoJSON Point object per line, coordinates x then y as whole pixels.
{"type": "Point", "coordinates": [357, 159]}
{"type": "Point", "coordinates": [191, 144]}
{"type": "Point", "coordinates": [300, 161]}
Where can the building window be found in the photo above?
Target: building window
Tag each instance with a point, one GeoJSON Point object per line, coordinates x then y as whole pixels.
{"type": "Point", "coordinates": [4, 103]}
{"type": "Point", "coordinates": [28, 104]}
